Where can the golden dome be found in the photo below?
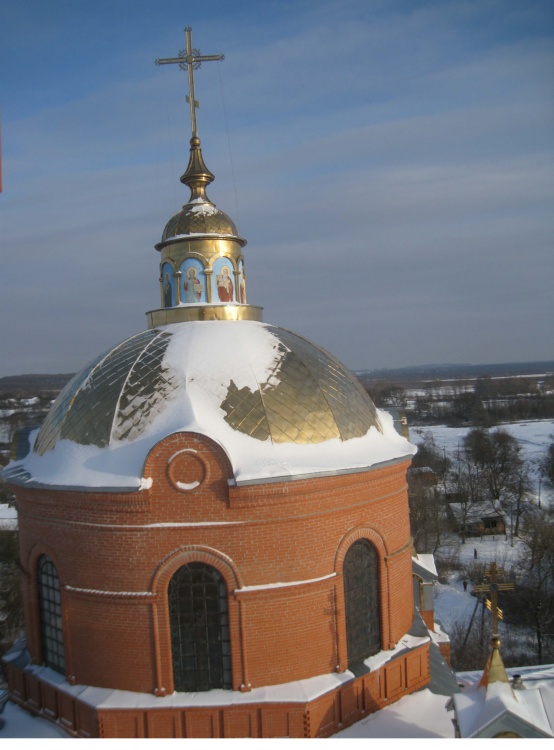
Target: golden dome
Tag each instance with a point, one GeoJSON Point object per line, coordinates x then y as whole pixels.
{"type": "Point", "coordinates": [199, 218]}
{"type": "Point", "coordinates": [262, 381]}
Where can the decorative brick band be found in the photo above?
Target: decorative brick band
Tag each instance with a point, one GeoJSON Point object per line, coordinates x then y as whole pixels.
{"type": "Point", "coordinates": [138, 596]}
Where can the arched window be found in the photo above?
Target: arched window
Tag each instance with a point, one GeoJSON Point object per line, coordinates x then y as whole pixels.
{"type": "Point", "coordinates": [50, 607]}
{"type": "Point", "coordinates": [361, 596]}
{"type": "Point", "coordinates": [199, 622]}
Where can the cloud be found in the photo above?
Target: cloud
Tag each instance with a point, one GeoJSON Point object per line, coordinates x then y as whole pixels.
{"type": "Point", "coordinates": [390, 163]}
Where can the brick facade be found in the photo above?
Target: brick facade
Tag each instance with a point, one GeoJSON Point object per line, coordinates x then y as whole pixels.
{"type": "Point", "coordinates": [280, 548]}
{"type": "Point", "coordinates": [320, 717]}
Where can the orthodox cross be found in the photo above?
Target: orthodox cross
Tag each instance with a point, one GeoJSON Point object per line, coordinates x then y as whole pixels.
{"type": "Point", "coordinates": [190, 60]}
{"type": "Point", "coordinates": [492, 588]}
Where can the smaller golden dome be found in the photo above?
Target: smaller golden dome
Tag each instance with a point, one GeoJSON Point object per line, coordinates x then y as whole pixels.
{"type": "Point", "coordinates": [201, 217]}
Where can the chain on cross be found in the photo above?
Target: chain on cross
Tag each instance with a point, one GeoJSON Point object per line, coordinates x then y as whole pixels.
{"type": "Point", "coordinates": [190, 60]}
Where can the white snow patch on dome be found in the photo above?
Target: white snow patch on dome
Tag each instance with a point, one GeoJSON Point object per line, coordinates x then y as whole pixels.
{"type": "Point", "coordinates": [208, 209]}
{"type": "Point", "coordinates": [120, 465]}
{"type": "Point", "coordinates": [204, 358]}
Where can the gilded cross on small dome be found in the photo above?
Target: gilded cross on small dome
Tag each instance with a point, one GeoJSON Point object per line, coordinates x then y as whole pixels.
{"type": "Point", "coordinates": [190, 60]}
{"type": "Point", "coordinates": [493, 587]}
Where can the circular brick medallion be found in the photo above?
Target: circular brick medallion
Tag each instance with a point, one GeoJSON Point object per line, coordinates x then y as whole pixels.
{"type": "Point", "coordinates": [186, 470]}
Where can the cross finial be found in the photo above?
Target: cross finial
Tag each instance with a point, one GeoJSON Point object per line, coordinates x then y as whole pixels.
{"type": "Point", "coordinates": [492, 588]}
{"type": "Point", "coordinates": [190, 60]}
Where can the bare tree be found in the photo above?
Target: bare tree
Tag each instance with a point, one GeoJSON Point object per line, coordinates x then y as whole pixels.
{"type": "Point", "coordinates": [503, 474]}
{"type": "Point", "coordinates": [426, 493]}
{"type": "Point", "coordinates": [535, 590]}
{"type": "Point", "coordinates": [547, 462]}
{"type": "Point", "coordinates": [11, 607]}
{"type": "Point", "coordinates": [466, 489]}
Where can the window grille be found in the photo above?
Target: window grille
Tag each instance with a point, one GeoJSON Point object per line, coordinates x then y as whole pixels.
{"type": "Point", "coordinates": [50, 607]}
{"type": "Point", "coordinates": [361, 595]}
{"type": "Point", "coordinates": [199, 622]}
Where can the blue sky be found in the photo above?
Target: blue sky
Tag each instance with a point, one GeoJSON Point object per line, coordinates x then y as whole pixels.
{"type": "Point", "coordinates": [389, 163]}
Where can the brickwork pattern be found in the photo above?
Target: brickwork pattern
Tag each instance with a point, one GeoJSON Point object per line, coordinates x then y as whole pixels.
{"type": "Point", "coordinates": [321, 717]}
{"type": "Point", "coordinates": [280, 547]}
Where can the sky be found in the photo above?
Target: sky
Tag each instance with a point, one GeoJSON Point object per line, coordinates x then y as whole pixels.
{"type": "Point", "coordinates": [388, 161]}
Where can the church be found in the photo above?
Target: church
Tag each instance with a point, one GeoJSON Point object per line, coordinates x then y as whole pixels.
{"type": "Point", "coordinates": [213, 520]}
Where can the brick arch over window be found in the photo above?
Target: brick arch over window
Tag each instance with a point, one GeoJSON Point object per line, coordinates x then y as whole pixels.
{"type": "Point", "coordinates": [377, 542]}
{"type": "Point", "coordinates": [223, 571]}
{"type": "Point", "coordinates": [50, 615]}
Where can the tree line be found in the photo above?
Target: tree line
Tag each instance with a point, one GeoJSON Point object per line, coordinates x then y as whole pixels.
{"type": "Point", "coordinates": [484, 402]}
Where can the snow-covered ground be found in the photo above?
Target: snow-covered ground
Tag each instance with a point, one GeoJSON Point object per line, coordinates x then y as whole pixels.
{"type": "Point", "coordinates": [534, 438]}
{"type": "Point", "coordinates": [453, 604]}
{"type": "Point", "coordinates": [20, 724]}
{"type": "Point", "coordinates": [534, 435]}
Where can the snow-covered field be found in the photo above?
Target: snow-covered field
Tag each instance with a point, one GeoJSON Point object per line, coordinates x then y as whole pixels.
{"type": "Point", "coordinates": [534, 435]}
{"type": "Point", "coordinates": [534, 438]}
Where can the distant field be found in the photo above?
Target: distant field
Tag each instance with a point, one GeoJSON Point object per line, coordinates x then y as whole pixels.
{"type": "Point", "coordinates": [414, 377]}
{"type": "Point", "coordinates": [33, 384]}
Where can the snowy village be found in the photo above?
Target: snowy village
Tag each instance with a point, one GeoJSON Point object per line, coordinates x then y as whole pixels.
{"type": "Point", "coordinates": [216, 529]}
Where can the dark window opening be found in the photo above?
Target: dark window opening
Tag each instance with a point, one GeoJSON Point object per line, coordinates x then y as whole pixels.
{"type": "Point", "coordinates": [50, 606]}
{"type": "Point", "coordinates": [361, 596]}
{"type": "Point", "coordinates": [490, 523]}
{"type": "Point", "coordinates": [199, 622]}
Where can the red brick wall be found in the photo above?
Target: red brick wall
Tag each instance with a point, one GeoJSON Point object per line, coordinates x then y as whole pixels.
{"type": "Point", "coordinates": [320, 717]}
{"type": "Point", "coordinates": [428, 617]}
{"type": "Point", "coordinates": [123, 548]}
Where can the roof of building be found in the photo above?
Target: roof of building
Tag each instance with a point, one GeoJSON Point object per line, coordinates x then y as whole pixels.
{"type": "Point", "coordinates": [279, 405]}
{"type": "Point", "coordinates": [424, 566]}
{"type": "Point", "coordinates": [474, 513]}
{"type": "Point", "coordinates": [199, 218]}
{"type": "Point", "coordinates": [8, 517]}
{"type": "Point", "coordinates": [498, 708]}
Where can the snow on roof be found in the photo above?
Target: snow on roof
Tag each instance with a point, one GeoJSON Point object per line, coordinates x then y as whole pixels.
{"type": "Point", "coordinates": [474, 513]}
{"type": "Point", "coordinates": [299, 691]}
{"type": "Point", "coordinates": [479, 709]}
{"type": "Point", "coordinates": [8, 517]}
{"type": "Point", "coordinates": [120, 465]}
{"type": "Point", "coordinates": [424, 565]}
{"type": "Point", "coordinates": [482, 711]}
{"type": "Point", "coordinates": [202, 359]}
{"type": "Point", "coordinates": [422, 714]}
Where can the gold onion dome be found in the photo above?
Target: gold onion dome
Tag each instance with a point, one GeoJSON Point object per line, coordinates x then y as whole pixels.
{"type": "Point", "coordinates": [199, 216]}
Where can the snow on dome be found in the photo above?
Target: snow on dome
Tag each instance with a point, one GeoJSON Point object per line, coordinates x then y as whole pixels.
{"type": "Point", "coordinates": [199, 218]}
{"type": "Point", "coordinates": [279, 406]}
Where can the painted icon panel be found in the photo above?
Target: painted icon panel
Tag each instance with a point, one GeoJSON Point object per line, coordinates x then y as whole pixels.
{"type": "Point", "coordinates": [168, 281]}
{"type": "Point", "coordinates": [223, 280]}
{"type": "Point", "coordinates": [193, 280]}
